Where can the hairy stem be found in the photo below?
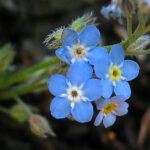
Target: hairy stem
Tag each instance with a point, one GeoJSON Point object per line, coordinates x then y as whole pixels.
{"type": "Point", "coordinates": [138, 32]}
{"type": "Point", "coordinates": [147, 29]}
{"type": "Point", "coordinates": [129, 26]}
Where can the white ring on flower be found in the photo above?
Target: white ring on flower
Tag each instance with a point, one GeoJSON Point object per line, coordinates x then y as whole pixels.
{"type": "Point", "coordinates": [74, 94]}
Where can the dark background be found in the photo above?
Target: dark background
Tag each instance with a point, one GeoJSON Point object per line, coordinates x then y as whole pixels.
{"type": "Point", "coordinates": [25, 24]}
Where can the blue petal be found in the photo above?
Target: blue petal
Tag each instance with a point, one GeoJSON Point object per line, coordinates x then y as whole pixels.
{"type": "Point", "coordinates": [98, 119]}
{"type": "Point", "coordinates": [92, 89]}
{"type": "Point", "coordinates": [64, 55]}
{"type": "Point", "coordinates": [60, 107]}
{"type": "Point", "coordinates": [100, 104]}
{"type": "Point", "coordinates": [123, 88]}
{"type": "Point", "coordinates": [57, 84]}
{"type": "Point", "coordinates": [122, 109]}
{"type": "Point", "coordinates": [109, 120]}
{"type": "Point", "coordinates": [79, 72]}
{"type": "Point", "coordinates": [105, 12]}
{"type": "Point", "coordinates": [116, 13]}
{"type": "Point", "coordinates": [130, 70]}
{"type": "Point", "coordinates": [96, 54]}
{"type": "Point", "coordinates": [117, 54]}
{"type": "Point", "coordinates": [69, 37]}
{"type": "Point", "coordinates": [101, 67]}
{"type": "Point", "coordinates": [82, 111]}
{"type": "Point", "coordinates": [89, 36]}
{"type": "Point", "coordinates": [148, 2]}
{"type": "Point", "coordinates": [118, 99]}
{"type": "Point", "coordinates": [107, 88]}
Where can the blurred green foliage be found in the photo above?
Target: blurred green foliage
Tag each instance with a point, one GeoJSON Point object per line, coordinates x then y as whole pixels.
{"type": "Point", "coordinates": [6, 56]}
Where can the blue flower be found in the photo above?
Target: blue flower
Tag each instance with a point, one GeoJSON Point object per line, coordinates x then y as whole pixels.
{"type": "Point", "coordinates": [112, 10]}
{"type": "Point", "coordinates": [109, 109]}
{"type": "Point", "coordinates": [115, 72]}
{"type": "Point", "coordinates": [74, 93]}
{"type": "Point", "coordinates": [81, 46]}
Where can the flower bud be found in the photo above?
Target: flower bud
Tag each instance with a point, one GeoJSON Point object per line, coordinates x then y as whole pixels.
{"type": "Point", "coordinates": [39, 126]}
{"type": "Point", "coordinates": [53, 40]}
{"type": "Point", "coordinates": [140, 44]}
{"type": "Point", "coordinates": [81, 22]}
{"type": "Point", "coordinates": [19, 113]}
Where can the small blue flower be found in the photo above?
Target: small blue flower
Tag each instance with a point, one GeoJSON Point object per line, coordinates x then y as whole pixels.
{"type": "Point", "coordinates": [115, 72]}
{"type": "Point", "coordinates": [81, 46]}
{"type": "Point", "coordinates": [109, 109]}
{"type": "Point", "coordinates": [112, 10]}
{"type": "Point", "coordinates": [74, 93]}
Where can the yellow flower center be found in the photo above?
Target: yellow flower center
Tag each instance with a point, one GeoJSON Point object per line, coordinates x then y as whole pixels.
{"type": "Point", "coordinates": [115, 73]}
{"type": "Point", "coordinates": [109, 108]}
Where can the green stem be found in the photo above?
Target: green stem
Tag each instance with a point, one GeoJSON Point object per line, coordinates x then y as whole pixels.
{"type": "Point", "coordinates": [24, 74]}
{"type": "Point", "coordinates": [4, 110]}
{"type": "Point", "coordinates": [147, 29]}
{"type": "Point", "coordinates": [129, 25]}
{"type": "Point", "coordinates": [21, 90]}
{"type": "Point", "coordinates": [26, 108]}
{"type": "Point", "coordinates": [138, 32]}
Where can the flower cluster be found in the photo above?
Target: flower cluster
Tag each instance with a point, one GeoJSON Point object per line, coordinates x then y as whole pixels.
{"type": "Point", "coordinates": [94, 75]}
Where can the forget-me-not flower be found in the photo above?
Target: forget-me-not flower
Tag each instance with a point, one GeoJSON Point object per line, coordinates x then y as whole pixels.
{"type": "Point", "coordinates": [74, 93]}
{"type": "Point", "coordinates": [81, 46]}
{"type": "Point", "coordinates": [115, 72]}
{"type": "Point", "coordinates": [112, 10]}
{"type": "Point", "coordinates": [109, 109]}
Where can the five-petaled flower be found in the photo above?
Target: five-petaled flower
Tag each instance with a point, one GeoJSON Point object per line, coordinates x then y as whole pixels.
{"type": "Point", "coordinates": [115, 72]}
{"type": "Point", "coordinates": [109, 109]}
{"type": "Point", "coordinates": [81, 46]}
{"type": "Point", "coordinates": [74, 93]}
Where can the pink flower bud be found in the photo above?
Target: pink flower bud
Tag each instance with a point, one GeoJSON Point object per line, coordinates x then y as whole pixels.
{"type": "Point", "coordinates": [39, 126]}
